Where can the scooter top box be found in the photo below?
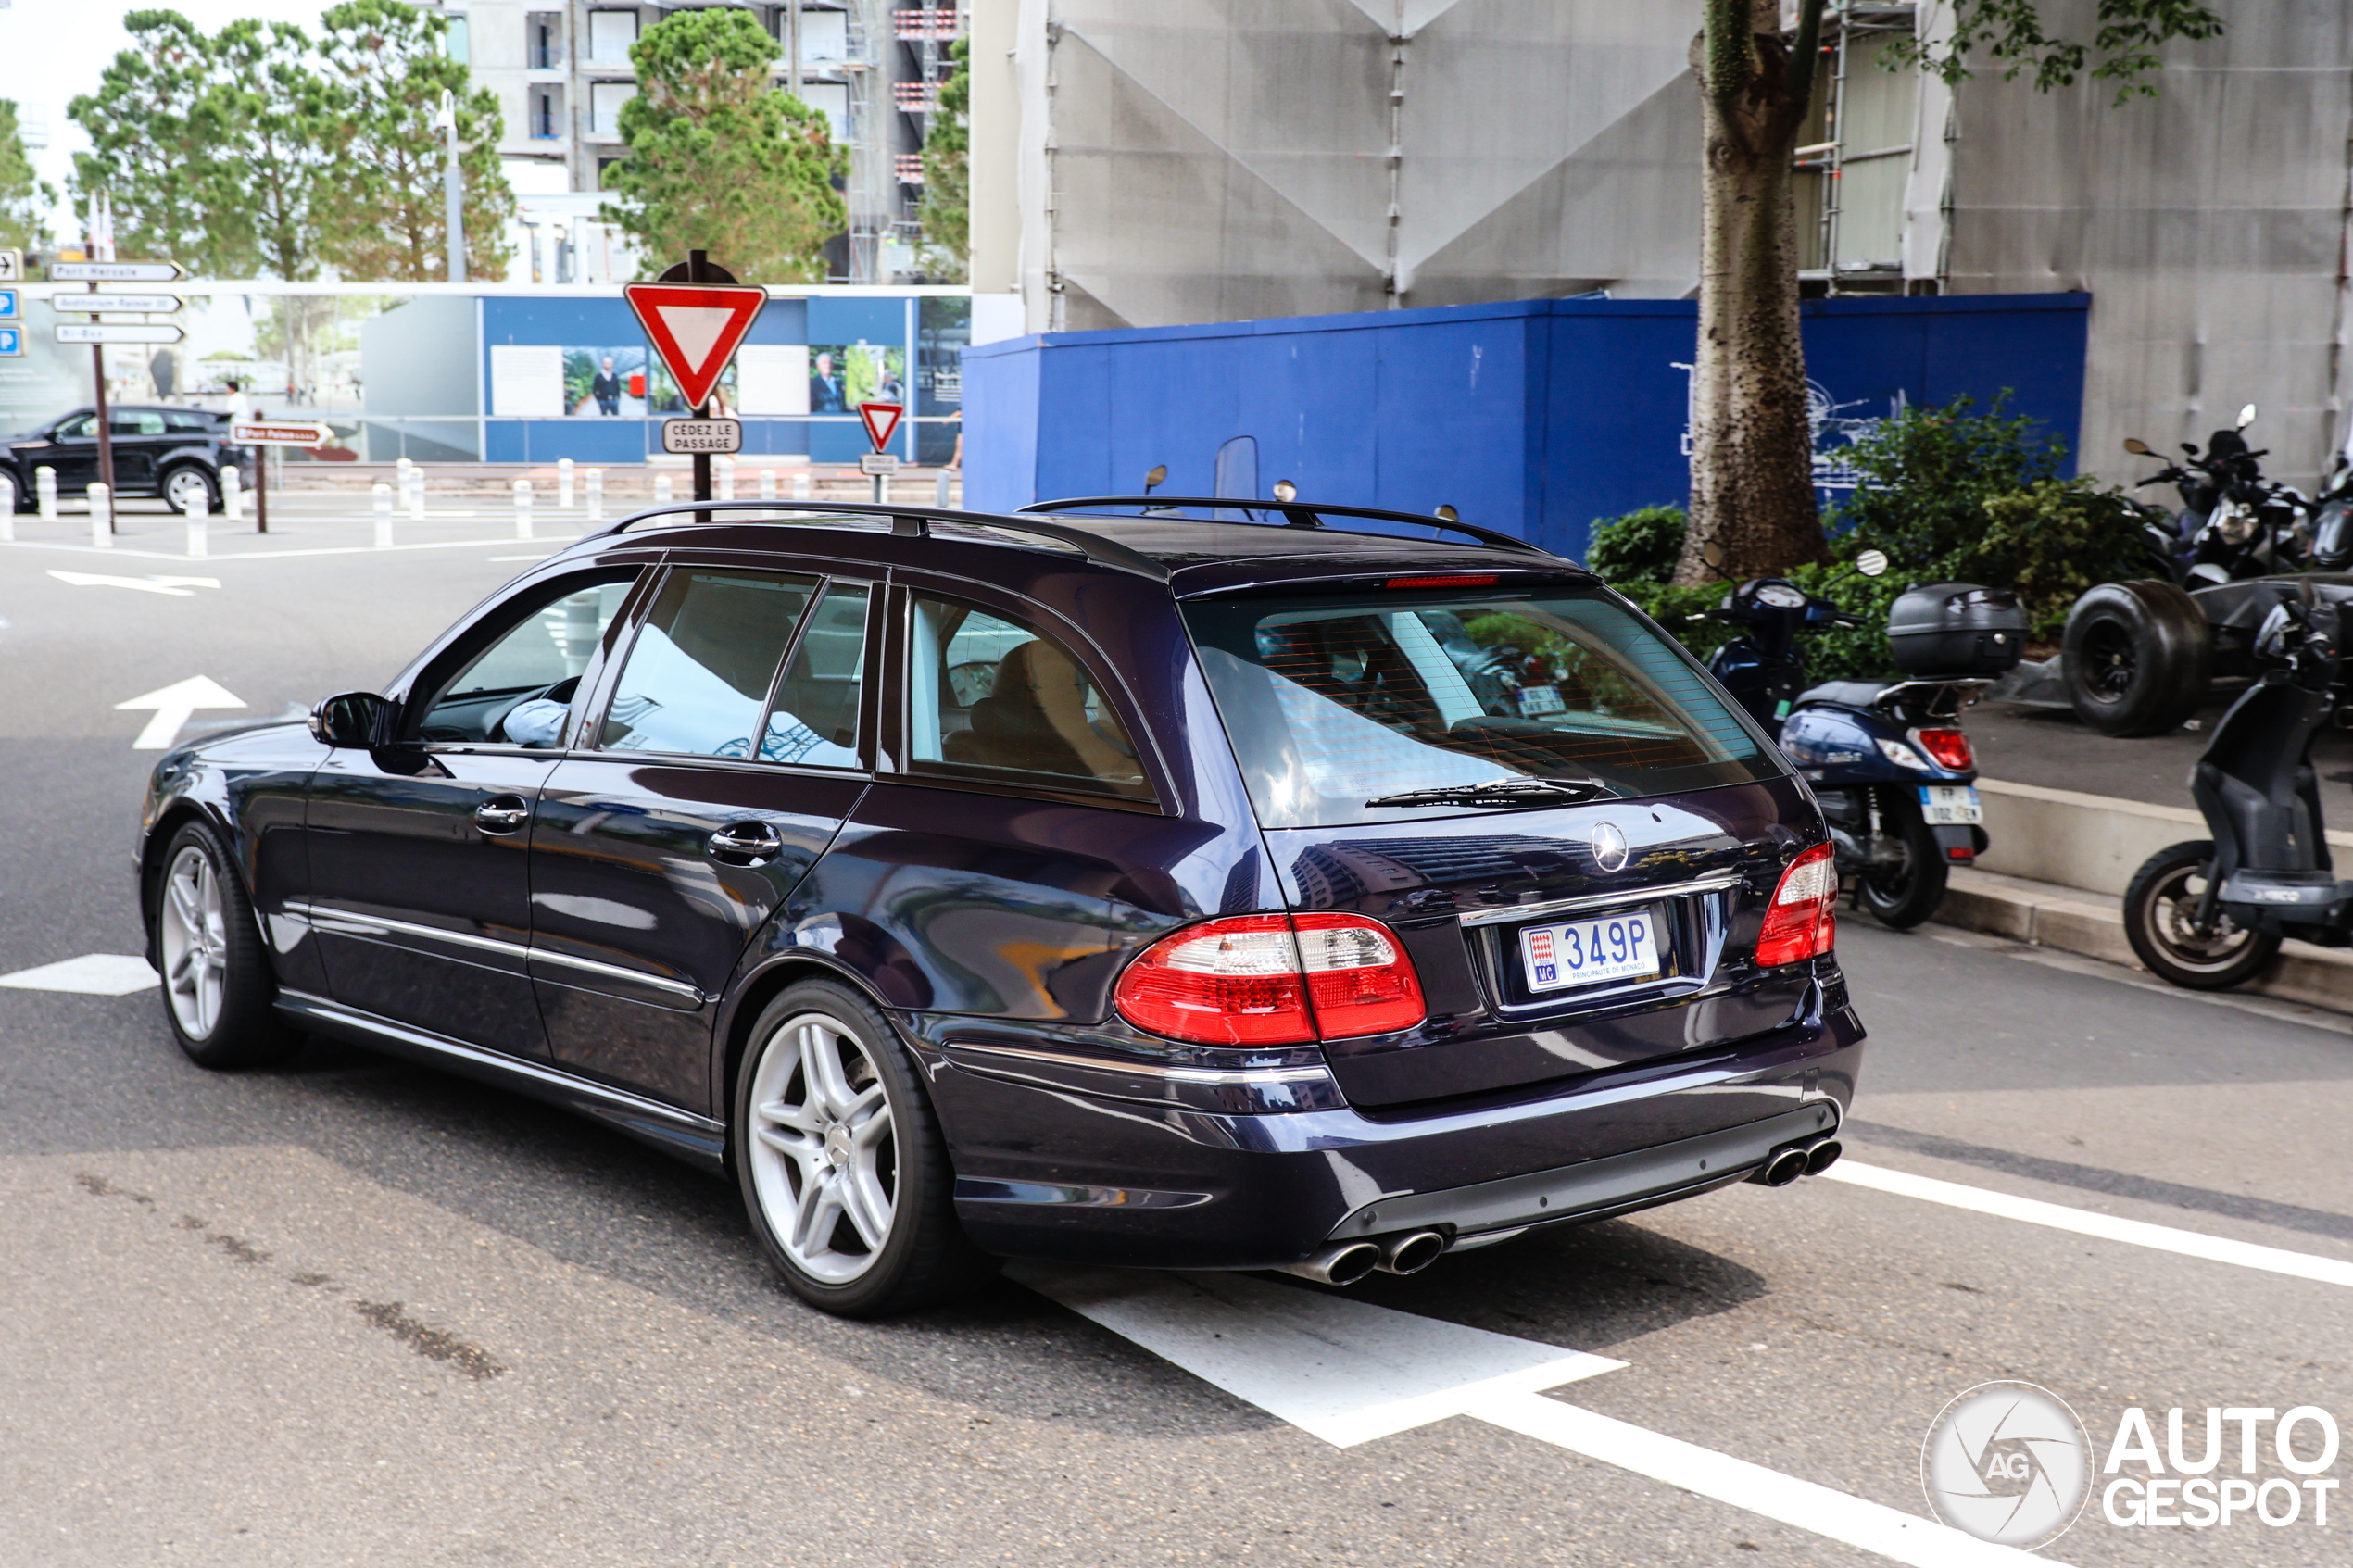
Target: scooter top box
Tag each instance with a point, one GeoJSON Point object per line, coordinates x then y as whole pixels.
{"type": "Point", "coordinates": [1957, 629]}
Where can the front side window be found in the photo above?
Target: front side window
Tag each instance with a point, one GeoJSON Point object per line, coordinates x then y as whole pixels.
{"type": "Point", "coordinates": [698, 674]}
{"type": "Point", "coordinates": [519, 691]}
{"type": "Point", "coordinates": [990, 697]}
{"type": "Point", "coordinates": [1335, 702]}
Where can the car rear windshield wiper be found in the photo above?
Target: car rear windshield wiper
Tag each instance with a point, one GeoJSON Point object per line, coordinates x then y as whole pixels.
{"type": "Point", "coordinates": [1502, 792]}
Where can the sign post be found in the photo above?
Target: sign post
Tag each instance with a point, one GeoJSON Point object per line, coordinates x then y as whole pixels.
{"type": "Point", "coordinates": [881, 419]}
{"type": "Point", "coordinates": [696, 316]}
{"type": "Point", "coordinates": [93, 274]}
{"type": "Point", "coordinates": [259, 434]}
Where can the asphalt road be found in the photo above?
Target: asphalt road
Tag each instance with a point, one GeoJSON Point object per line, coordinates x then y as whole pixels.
{"type": "Point", "coordinates": [353, 1312]}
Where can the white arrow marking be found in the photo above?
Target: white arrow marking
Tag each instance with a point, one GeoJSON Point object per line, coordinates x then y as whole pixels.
{"type": "Point", "coordinates": [177, 587]}
{"type": "Point", "coordinates": [173, 704]}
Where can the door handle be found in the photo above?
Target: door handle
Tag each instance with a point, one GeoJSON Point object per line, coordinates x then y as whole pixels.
{"type": "Point", "coordinates": [502, 814]}
{"type": "Point", "coordinates": [744, 844]}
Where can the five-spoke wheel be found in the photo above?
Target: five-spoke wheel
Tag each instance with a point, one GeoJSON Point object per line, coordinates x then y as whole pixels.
{"type": "Point", "coordinates": [218, 993]}
{"type": "Point", "coordinates": [195, 942]}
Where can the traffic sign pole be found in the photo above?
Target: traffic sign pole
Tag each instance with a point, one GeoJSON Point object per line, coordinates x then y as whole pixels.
{"type": "Point", "coordinates": [699, 272]}
{"type": "Point", "coordinates": [106, 436]}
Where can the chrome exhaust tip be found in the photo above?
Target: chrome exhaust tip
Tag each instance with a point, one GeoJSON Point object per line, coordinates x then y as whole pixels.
{"type": "Point", "coordinates": [1340, 1263]}
{"type": "Point", "coordinates": [1411, 1253]}
{"type": "Point", "coordinates": [1822, 1156]}
{"type": "Point", "coordinates": [1782, 1167]}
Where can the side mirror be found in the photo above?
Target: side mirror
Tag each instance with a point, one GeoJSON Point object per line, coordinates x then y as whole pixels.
{"type": "Point", "coordinates": [1713, 554]}
{"type": "Point", "coordinates": [2138, 447]}
{"type": "Point", "coordinates": [2247, 417]}
{"type": "Point", "coordinates": [1158, 477]}
{"type": "Point", "coordinates": [354, 720]}
{"type": "Point", "coordinates": [1871, 563]}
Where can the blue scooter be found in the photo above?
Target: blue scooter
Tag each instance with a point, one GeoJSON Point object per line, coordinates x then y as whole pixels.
{"type": "Point", "coordinates": [1888, 760]}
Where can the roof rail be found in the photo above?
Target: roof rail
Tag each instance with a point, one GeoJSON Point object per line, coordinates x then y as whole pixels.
{"type": "Point", "coordinates": [1295, 514]}
{"type": "Point", "coordinates": [915, 522]}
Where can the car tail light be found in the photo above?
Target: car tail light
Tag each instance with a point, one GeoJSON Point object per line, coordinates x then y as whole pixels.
{"type": "Point", "coordinates": [1251, 980]}
{"type": "Point", "coordinates": [1800, 922]}
{"type": "Point", "coordinates": [1460, 580]}
{"type": "Point", "coordinates": [1949, 747]}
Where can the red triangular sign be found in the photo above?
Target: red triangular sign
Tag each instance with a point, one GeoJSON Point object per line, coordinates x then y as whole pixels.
{"type": "Point", "coordinates": [881, 419]}
{"type": "Point", "coordinates": [696, 328]}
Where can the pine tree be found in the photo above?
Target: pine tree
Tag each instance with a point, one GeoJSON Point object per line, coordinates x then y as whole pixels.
{"type": "Point", "coordinates": [947, 206]}
{"type": "Point", "coordinates": [23, 196]}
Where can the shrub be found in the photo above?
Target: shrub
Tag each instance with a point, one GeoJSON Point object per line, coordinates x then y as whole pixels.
{"type": "Point", "coordinates": [1641, 544]}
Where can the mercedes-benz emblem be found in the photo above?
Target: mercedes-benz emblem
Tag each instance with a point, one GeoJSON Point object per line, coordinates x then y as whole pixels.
{"type": "Point", "coordinates": [1609, 846]}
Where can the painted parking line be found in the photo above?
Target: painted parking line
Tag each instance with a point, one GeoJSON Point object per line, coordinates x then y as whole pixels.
{"type": "Point", "coordinates": [2085, 1221]}
{"type": "Point", "coordinates": [92, 974]}
{"type": "Point", "coordinates": [1348, 1371]}
{"type": "Point", "coordinates": [124, 552]}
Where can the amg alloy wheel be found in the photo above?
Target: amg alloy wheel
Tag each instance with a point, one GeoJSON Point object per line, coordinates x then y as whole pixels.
{"type": "Point", "coordinates": [217, 987]}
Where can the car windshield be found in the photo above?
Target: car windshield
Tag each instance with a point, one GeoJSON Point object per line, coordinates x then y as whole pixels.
{"type": "Point", "coordinates": [1337, 701]}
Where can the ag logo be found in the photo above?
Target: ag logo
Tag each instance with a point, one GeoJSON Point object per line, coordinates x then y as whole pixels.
{"type": "Point", "coordinates": [2008, 1462]}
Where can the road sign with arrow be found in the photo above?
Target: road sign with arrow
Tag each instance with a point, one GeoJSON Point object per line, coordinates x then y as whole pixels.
{"type": "Point", "coordinates": [125, 304]}
{"type": "Point", "coordinates": [118, 331]}
{"type": "Point", "coordinates": [115, 271]}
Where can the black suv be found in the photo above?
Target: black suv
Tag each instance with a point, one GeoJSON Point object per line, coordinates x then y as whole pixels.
{"type": "Point", "coordinates": [175, 453]}
{"type": "Point", "coordinates": [1159, 883]}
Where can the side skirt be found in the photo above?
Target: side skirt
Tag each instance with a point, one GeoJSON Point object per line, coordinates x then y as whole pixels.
{"type": "Point", "coordinates": [699, 1140]}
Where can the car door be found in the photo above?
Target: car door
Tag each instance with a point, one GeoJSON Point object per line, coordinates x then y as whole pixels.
{"type": "Point", "coordinates": [419, 892]}
{"type": "Point", "coordinates": [139, 438]}
{"type": "Point", "coordinates": [661, 851]}
{"type": "Point", "coordinates": [73, 452]}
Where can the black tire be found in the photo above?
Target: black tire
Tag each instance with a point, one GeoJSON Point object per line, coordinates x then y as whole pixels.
{"type": "Point", "coordinates": [218, 992]}
{"type": "Point", "coordinates": [924, 1257]}
{"type": "Point", "coordinates": [186, 476]}
{"type": "Point", "coordinates": [1905, 894]}
{"type": "Point", "coordinates": [2157, 923]}
{"type": "Point", "coordinates": [2137, 658]}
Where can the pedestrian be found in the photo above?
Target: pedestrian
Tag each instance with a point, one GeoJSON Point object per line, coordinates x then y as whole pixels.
{"type": "Point", "coordinates": [240, 406]}
{"type": "Point", "coordinates": [605, 389]}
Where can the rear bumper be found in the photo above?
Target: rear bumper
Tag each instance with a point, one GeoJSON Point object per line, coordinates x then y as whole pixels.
{"type": "Point", "coordinates": [1044, 1172]}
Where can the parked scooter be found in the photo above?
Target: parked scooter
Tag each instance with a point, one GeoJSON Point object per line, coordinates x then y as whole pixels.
{"type": "Point", "coordinates": [1888, 760]}
{"type": "Point", "coordinates": [2210, 913]}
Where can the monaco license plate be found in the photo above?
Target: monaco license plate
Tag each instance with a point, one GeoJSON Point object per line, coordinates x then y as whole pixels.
{"type": "Point", "coordinates": [1950, 805]}
{"type": "Point", "coordinates": [1587, 952]}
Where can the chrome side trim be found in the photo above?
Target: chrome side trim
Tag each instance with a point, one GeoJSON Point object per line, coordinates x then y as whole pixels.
{"type": "Point", "coordinates": [1146, 1070]}
{"type": "Point", "coordinates": [1600, 901]}
{"type": "Point", "coordinates": [691, 995]}
{"type": "Point", "coordinates": [346, 923]}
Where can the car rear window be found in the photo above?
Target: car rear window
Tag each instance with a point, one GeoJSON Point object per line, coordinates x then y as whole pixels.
{"type": "Point", "coordinates": [1333, 700]}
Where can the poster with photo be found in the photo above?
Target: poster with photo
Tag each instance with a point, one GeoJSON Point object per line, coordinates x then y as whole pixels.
{"type": "Point", "coordinates": [605, 382]}
{"type": "Point", "coordinates": [666, 402]}
{"type": "Point", "coordinates": [842, 375]}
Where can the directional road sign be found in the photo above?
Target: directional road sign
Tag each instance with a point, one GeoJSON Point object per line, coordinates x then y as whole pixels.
{"type": "Point", "coordinates": [11, 266]}
{"type": "Point", "coordinates": [688, 437]}
{"type": "Point", "coordinates": [114, 271]}
{"type": "Point", "coordinates": [696, 328]}
{"type": "Point", "coordinates": [107, 304]}
{"type": "Point", "coordinates": [881, 419]}
{"type": "Point", "coordinates": [119, 331]}
{"type": "Point", "coordinates": [278, 433]}
{"type": "Point", "coordinates": [11, 342]}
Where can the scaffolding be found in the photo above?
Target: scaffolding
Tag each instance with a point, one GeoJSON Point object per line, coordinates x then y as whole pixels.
{"type": "Point", "coordinates": [1867, 121]}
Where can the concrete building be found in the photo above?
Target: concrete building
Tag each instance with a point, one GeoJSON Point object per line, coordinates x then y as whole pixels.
{"type": "Point", "coordinates": [1166, 162]}
{"type": "Point", "coordinates": [561, 70]}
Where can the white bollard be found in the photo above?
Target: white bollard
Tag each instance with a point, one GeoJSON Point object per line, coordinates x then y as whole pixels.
{"type": "Point", "coordinates": [767, 484]}
{"type": "Point", "coordinates": [522, 508]}
{"type": "Point", "coordinates": [8, 522]}
{"type": "Point", "coordinates": [416, 493]}
{"type": "Point", "coordinates": [800, 485]}
{"type": "Point", "coordinates": [199, 545]}
{"type": "Point", "coordinates": [661, 490]}
{"type": "Point", "coordinates": [726, 485]}
{"type": "Point", "coordinates": [596, 494]}
{"type": "Point", "coordinates": [44, 490]}
{"type": "Point", "coordinates": [380, 494]}
{"type": "Point", "coordinates": [563, 483]}
{"type": "Point", "coordinates": [941, 500]}
{"type": "Point", "coordinates": [101, 516]}
{"type": "Point", "coordinates": [233, 495]}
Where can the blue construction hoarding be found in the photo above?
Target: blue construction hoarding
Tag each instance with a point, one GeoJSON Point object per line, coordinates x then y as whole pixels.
{"type": "Point", "coordinates": [1534, 416]}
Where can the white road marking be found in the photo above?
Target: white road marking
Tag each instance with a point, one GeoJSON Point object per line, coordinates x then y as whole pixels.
{"type": "Point", "coordinates": [173, 704]}
{"type": "Point", "coordinates": [93, 975]}
{"type": "Point", "coordinates": [178, 587]}
{"type": "Point", "coordinates": [2117, 974]}
{"type": "Point", "coordinates": [1348, 1371]}
{"type": "Point", "coordinates": [124, 552]}
{"type": "Point", "coordinates": [2085, 1222]}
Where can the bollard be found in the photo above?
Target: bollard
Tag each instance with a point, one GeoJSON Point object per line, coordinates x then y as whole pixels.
{"type": "Point", "coordinates": [661, 490]}
{"type": "Point", "coordinates": [101, 516]}
{"type": "Point", "coordinates": [416, 493]}
{"type": "Point", "coordinates": [522, 508]}
{"type": "Point", "coordinates": [727, 478]}
{"type": "Point", "coordinates": [767, 484]}
{"type": "Point", "coordinates": [8, 518]}
{"type": "Point", "coordinates": [233, 495]}
{"type": "Point", "coordinates": [45, 490]}
{"type": "Point", "coordinates": [596, 494]}
{"type": "Point", "coordinates": [380, 494]}
{"type": "Point", "coordinates": [800, 485]}
{"type": "Point", "coordinates": [941, 500]}
{"type": "Point", "coordinates": [199, 543]}
{"type": "Point", "coordinates": [563, 483]}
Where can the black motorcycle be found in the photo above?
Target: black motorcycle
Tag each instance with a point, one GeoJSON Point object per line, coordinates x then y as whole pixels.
{"type": "Point", "coordinates": [2234, 523]}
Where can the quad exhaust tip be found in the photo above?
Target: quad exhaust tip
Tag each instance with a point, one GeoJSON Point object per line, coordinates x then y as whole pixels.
{"type": "Point", "coordinates": [1785, 1166]}
{"type": "Point", "coordinates": [1822, 1156]}
{"type": "Point", "coordinates": [1340, 1262]}
{"type": "Point", "coordinates": [1412, 1252]}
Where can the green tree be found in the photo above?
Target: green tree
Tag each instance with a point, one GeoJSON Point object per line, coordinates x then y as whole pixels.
{"type": "Point", "coordinates": [381, 206]}
{"type": "Point", "coordinates": [946, 212]}
{"type": "Point", "coordinates": [1753, 504]}
{"type": "Point", "coordinates": [155, 129]}
{"type": "Point", "coordinates": [24, 198]}
{"type": "Point", "coordinates": [269, 104]}
{"type": "Point", "coordinates": [720, 161]}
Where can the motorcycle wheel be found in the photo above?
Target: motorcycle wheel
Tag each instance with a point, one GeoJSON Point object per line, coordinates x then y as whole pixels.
{"type": "Point", "coordinates": [2158, 911]}
{"type": "Point", "coordinates": [2137, 658]}
{"type": "Point", "coordinates": [1903, 895]}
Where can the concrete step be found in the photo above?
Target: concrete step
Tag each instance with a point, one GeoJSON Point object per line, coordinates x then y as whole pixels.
{"type": "Point", "coordinates": [2093, 843]}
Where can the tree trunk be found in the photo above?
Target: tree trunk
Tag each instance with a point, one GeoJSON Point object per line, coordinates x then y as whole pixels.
{"type": "Point", "coordinates": [1753, 510]}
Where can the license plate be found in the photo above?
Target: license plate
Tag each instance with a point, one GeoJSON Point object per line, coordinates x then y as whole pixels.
{"type": "Point", "coordinates": [1585, 952]}
{"type": "Point", "coordinates": [1534, 700]}
{"type": "Point", "coordinates": [1950, 805]}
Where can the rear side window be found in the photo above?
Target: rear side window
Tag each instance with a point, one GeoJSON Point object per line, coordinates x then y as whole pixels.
{"type": "Point", "coordinates": [1333, 701]}
{"type": "Point", "coordinates": [991, 697]}
{"type": "Point", "coordinates": [698, 673]}
{"type": "Point", "coordinates": [813, 722]}
{"type": "Point", "coordinates": [192, 421]}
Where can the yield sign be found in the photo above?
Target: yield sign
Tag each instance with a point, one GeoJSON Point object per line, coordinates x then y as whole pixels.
{"type": "Point", "coordinates": [695, 328]}
{"type": "Point", "coordinates": [881, 419]}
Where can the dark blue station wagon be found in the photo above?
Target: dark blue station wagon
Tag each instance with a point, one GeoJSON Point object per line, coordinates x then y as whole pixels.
{"type": "Point", "coordinates": [1195, 886]}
